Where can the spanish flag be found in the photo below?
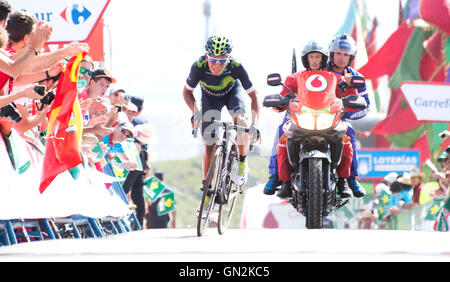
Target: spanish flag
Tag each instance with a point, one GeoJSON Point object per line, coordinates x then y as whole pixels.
{"type": "Point", "coordinates": [64, 133]}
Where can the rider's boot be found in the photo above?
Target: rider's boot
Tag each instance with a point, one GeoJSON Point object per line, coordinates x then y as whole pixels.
{"type": "Point", "coordinates": [357, 189]}
{"type": "Point", "coordinates": [271, 185]}
{"type": "Point", "coordinates": [343, 189]}
{"type": "Point", "coordinates": [240, 178]}
{"type": "Point", "coordinates": [285, 191]}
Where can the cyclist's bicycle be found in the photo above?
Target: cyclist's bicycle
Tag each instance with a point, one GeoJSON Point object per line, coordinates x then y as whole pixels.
{"type": "Point", "coordinates": [219, 190]}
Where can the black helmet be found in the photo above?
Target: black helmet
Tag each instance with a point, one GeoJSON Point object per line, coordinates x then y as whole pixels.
{"type": "Point", "coordinates": [314, 46]}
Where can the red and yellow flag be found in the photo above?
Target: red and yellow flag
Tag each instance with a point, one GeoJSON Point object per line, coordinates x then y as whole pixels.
{"type": "Point", "coordinates": [62, 147]}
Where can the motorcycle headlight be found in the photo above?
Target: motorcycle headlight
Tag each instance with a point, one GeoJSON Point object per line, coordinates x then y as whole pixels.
{"type": "Point", "coordinates": [324, 121]}
{"type": "Point", "coordinates": [312, 119]}
{"type": "Point", "coordinates": [305, 120]}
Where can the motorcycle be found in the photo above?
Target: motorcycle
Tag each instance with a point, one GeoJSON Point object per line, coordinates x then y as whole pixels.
{"type": "Point", "coordinates": [315, 135]}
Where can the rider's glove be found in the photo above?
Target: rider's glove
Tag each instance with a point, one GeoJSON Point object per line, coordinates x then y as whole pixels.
{"type": "Point", "coordinates": [254, 133]}
{"type": "Point", "coordinates": [196, 118]}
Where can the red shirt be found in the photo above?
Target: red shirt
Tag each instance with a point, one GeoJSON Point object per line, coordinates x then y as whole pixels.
{"type": "Point", "coordinates": [4, 78]}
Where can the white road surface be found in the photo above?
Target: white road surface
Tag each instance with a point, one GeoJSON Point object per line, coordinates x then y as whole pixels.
{"type": "Point", "coordinates": [245, 245]}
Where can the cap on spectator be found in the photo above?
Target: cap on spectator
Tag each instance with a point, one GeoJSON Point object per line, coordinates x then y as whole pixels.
{"type": "Point", "coordinates": [116, 90]}
{"type": "Point", "coordinates": [126, 125]}
{"type": "Point", "coordinates": [103, 73]}
{"type": "Point", "coordinates": [405, 178]}
{"type": "Point", "coordinates": [138, 101]}
{"type": "Point", "coordinates": [391, 177]}
{"type": "Point", "coordinates": [417, 173]}
{"type": "Point", "coordinates": [143, 133]}
{"type": "Point", "coordinates": [131, 107]}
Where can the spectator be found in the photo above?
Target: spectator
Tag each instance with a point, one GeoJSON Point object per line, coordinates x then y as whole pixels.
{"type": "Point", "coordinates": [134, 182]}
{"type": "Point", "coordinates": [139, 102]}
{"type": "Point", "coordinates": [131, 111]}
{"type": "Point", "coordinates": [98, 85]}
{"type": "Point", "coordinates": [417, 178]}
{"type": "Point", "coordinates": [86, 69]}
{"type": "Point", "coordinates": [5, 10]}
{"type": "Point", "coordinates": [153, 220]}
{"type": "Point", "coordinates": [400, 195]}
{"type": "Point", "coordinates": [386, 183]}
{"type": "Point", "coordinates": [443, 176]}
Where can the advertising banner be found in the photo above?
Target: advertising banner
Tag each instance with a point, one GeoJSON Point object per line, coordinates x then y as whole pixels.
{"type": "Point", "coordinates": [71, 20]}
{"type": "Point", "coordinates": [378, 163]}
{"type": "Point", "coordinates": [430, 101]}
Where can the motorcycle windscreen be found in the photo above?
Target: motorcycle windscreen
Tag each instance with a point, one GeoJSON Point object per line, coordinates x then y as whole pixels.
{"type": "Point", "coordinates": [316, 89]}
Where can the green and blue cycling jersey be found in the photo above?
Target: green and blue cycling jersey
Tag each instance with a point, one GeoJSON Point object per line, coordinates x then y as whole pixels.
{"type": "Point", "coordinates": [217, 86]}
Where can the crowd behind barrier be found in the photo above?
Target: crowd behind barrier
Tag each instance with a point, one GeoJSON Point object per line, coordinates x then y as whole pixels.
{"type": "Point", "coordinates": [412, 201]}
{"type": "Point", "coordinates": [104, 193]}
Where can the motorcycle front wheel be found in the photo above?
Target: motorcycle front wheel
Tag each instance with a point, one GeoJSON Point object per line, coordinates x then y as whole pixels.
{"type": "Point", "coordinates": [314, 219]}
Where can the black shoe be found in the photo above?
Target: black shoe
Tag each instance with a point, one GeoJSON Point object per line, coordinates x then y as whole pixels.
{"type": "Point", "coordinates": [357, 189]}
{"type": "Point", "coordinates": [285, 191]}
{"type": "Point", "coordinates": [272, 184]}
{"type": "Point", "coordinates": [343, 190]}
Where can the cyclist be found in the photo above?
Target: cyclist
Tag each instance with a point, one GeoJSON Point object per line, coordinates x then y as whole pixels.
{"type": "Point", "coordinates": [314, 57]}
{"type": "Point", "coordinates": [223, 81]}
{"type": "Point", "coordinates": [342, 53]}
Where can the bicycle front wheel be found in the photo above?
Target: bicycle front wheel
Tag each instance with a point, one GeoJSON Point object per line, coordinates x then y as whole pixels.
{"type": "Point", "coordinates": [230, 192]}
{"type": "Point", "coordinates": [207, 203]}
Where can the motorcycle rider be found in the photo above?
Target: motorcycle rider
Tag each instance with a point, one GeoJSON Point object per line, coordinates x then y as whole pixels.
{"type": "Point", "coordinates": [342, 53]}
{"type": "Point", "coordinates": [314, 57]}
{"type": "Point", "coordinates": [223, 81]}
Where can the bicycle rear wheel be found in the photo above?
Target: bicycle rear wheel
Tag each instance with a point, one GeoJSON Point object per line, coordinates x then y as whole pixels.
{"type": "Point", "coordinates": [229, 193]}
{"type": "Point", "coordinates": [212, 180]}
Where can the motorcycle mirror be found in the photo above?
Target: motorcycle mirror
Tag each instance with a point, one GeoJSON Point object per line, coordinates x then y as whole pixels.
{"type": "Point", "coordinates": [274, 79]}
{"type": "Point", "coordinates": [273, 101]}
{"type": "Point", "coordinates": [357, 81]}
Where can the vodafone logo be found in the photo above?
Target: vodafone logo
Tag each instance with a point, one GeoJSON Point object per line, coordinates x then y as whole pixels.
{"type": "Point", "coordinates": [316, 83]}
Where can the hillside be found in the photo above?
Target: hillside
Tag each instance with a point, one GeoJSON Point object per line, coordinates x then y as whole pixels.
{"type": "Point", "coordinates": [185, 176]}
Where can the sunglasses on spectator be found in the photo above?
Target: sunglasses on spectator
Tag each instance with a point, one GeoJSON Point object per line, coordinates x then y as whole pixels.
{"type": "Point", "coordinates": [85, 70]}
{"type": "Point", "coordinates": [215, 60]}
{"type": "Point", "coordinates": [127, 133]}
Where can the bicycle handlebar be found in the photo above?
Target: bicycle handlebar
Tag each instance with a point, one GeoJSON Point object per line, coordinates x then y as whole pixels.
{"type": "Point", "coordinates": [226, 125]}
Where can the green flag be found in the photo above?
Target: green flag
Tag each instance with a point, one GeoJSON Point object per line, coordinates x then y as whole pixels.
{"type": "Point", "coordinates": [408, 68]}
{"type": "Point", "coordinates": [434, 210]}
{"type": "Point", "coordinates": [152, 188]}
{"type": "Point", "coordinates": [166, 203]}
{"type": "Point", "coordinates": [442, 222]}
{"type": "Point", "coordinates": [383, 207]}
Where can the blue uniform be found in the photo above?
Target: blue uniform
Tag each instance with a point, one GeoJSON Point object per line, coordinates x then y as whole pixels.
{"type": "Point", "coordinates": [354, 115]}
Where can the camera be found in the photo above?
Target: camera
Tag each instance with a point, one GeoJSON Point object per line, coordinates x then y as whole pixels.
{"type": "Point", "coordinates": [48, 99]}
{"type": "Point", "coordinates": [39, 89]}
{"type": "Point", "coordinates": [11, 112]}
{"type": "Point", "coordinates": [119, 108]}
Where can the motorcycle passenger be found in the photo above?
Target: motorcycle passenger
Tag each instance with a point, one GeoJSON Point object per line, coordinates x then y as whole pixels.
{"type": "Point", "coordinates": [314, 57]}
{"type": "Point", "coordinates": [342, 53]}
{"type": "Point", "coordinates": [223, 82]}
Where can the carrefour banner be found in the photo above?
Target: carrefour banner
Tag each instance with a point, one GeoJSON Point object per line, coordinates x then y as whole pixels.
{"type": "Point", "coordinates": [72, 20]}
{"type": "Point", "coordinates": [430, 101]}
{"type": "Point", "coordinates": [378, 163]}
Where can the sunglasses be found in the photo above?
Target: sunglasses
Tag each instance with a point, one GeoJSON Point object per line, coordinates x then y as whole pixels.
{"type": "Point", "coordinates": [215, 60]}
{"type": "Point", "coordinates": [127, 133]}
{"type": "Point", "coordinates": [85, 70]}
